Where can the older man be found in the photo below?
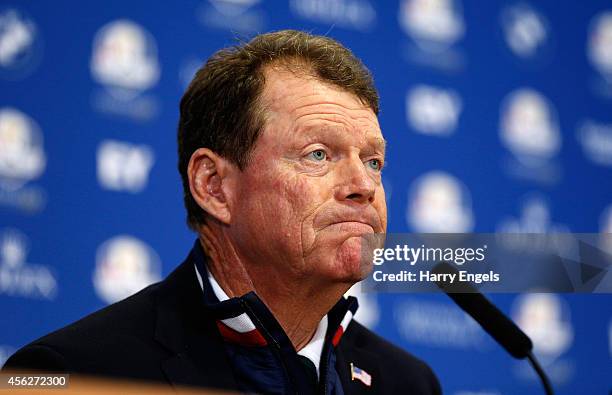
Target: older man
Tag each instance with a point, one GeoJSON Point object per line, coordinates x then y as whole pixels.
{"type": "Point", "coordinates": [281, 153]}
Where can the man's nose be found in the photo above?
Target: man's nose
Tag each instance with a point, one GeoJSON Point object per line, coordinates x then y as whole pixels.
{"type": "Point", "coordinates": [355, 182]}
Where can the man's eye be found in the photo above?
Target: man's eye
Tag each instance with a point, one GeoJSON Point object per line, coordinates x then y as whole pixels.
{"type": "Point", "coordinates": [375, 164]}
{"type": "Point", "coordinates": [318, 155]}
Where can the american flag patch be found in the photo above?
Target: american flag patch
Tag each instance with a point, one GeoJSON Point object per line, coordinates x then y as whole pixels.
{"type": "Point", "coordinates": [361, 375]}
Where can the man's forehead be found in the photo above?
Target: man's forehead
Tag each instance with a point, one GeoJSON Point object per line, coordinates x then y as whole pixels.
{"type": "Point", "coordinates": [380, 142]}
{"type": "Point", "coordinates": [289, 90]}
{"type": "Point", "coordinates": [319, 124]}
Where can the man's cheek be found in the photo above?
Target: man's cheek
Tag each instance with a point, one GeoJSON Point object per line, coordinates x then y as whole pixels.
{"type": "Point", "coordinates": [302, 194]}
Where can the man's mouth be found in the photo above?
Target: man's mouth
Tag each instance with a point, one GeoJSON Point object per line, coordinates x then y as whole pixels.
{"type": "Point", "coordinates": [353, 227]}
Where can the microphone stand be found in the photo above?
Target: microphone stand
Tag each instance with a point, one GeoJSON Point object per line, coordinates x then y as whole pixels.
{"type": "Point", "coordinates": [492, 320]}
{"type": "Point", "coordinates": [543, 378]}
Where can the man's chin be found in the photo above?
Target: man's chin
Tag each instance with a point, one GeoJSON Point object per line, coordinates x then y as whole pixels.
{"type": "Point", "coordinates": [351, 260]}
{"type": "Point", "coordinates": [343, 257]}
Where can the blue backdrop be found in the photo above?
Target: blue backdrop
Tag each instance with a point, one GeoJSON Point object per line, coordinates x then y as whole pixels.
{"type": "Point", "coordinates": [498, 117]}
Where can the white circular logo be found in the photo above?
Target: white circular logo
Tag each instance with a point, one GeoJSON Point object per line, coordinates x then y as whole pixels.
{"type": "Point", "coordinates": [20, 47]}
{"type": "Point", "coordinates": [440, 203]}
{"type": "Point", "coordinates": [434, 25]}
{"type": "Point", "coordinates": [599, 47]}
{"type": "Point", "coordinates": [545, 319]}
{"type": "Point", "coordinates": [125, 57]}
{"type": "Point", "coordinates": [124, 265]}
{"type": "Point", "coordinates": [526, 31]}
{"type": "Point", "coordinates": [21, 149]}
{"type": "Point", "coordinates": [529, 126]}
{"type": "Point", "coordinates": [432, 110]}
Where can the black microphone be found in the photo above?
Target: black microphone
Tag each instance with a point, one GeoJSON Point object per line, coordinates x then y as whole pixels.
{"type": "Point", "coordinates": [490, 318]}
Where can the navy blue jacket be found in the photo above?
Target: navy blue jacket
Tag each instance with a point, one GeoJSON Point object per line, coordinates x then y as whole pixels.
{"type": "Point", "coordinates": [169, 332]}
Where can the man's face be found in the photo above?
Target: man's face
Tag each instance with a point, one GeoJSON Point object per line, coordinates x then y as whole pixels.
{"type": "Point", "coordinates": [313, 186]}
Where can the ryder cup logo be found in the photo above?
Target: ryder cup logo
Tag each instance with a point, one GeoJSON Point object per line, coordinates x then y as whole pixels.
{"type": "Point", "coordinates": [596, 140]}
{"type": "Point", "coordinates": [19, 44]}
{"type": "Point", "coordinates": [434, 25]}
{"type": "Point", "coordinates": [432, 110]}
{"type": "Point", "coordinates": [124, 58]}
{"type": "Point", "coordinates": [21, 149]}
{"type": "Point", "coordinates": [526, 31]}
{"type": "Point", "coordinates": [545, 319]}
{"type": "Point", "coordinates": [599, 46]}
{"type": "Point", "coordinates": [439, 203]}
{"type": "Point", "coordinates": [529, 126]}
{"type": "Point", "coordinates": [124, 265]}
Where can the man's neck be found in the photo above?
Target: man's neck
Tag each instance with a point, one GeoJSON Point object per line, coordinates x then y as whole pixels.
{"type": "Point", "coordinates": [297, 305]}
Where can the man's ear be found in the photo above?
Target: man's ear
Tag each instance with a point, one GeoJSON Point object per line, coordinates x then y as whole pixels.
{"type": "Point", "coordinates": [209, 181]}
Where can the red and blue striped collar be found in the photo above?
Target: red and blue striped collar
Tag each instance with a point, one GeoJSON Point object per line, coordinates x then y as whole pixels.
{"type": "Point", "coordinates": [246, 320]}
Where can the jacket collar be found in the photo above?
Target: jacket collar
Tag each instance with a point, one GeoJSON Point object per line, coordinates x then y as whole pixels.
{"type": "Point", "coordinates": [247, 317]}
{"type": "Point", "coordinates": [184, 327]}
{"type": "Point", "coordinates": [187, 326]}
